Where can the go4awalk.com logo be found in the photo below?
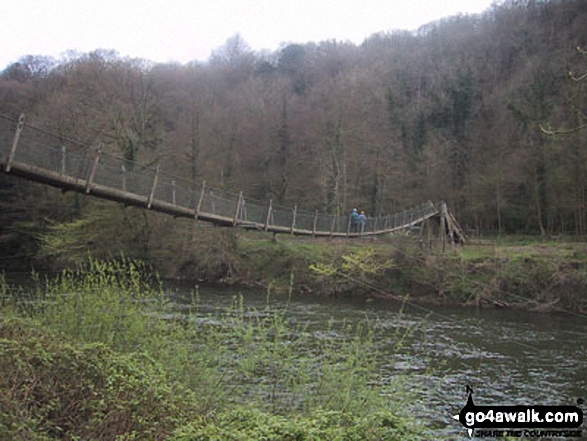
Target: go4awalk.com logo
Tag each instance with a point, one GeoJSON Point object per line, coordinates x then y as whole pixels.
{"type": "Point", "coordinates": [520, 421]}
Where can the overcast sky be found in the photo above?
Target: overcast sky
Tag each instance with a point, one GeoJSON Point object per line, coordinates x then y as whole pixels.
{"type": "Point", "coordinates": [185, 30]}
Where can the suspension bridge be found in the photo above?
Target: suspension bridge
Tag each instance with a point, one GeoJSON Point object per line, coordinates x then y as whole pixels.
{"type": "Point", "coordinates": [41, 156]}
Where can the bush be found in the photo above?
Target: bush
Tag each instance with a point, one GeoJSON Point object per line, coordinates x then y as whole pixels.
{"type": "Point", "coordinates": [55, 390]}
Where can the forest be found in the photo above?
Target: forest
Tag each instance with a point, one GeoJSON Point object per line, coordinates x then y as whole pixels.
{"type": "Point", "coordinates": [484, 112]}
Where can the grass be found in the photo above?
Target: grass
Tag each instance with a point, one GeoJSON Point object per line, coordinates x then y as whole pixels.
{"type": "Point", "coordinates": [482, 250]}
{"type": "Point", "coordinates": [536, 275]}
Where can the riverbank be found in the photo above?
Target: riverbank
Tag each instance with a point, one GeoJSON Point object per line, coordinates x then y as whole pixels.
{"type": "Point", "coordinates": [100, 353]}
{"type": "Point", "coordinates": [517, 272]}
{"type": "Point", "coordinates": [105, 342]}
{"type": "Point", "coordinates": [510, 272]}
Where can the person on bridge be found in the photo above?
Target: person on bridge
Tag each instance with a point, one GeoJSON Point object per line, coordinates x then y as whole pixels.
{"type": "Point", "coordinates": [362, 221]}
{"type": "Point", "coordinates": [354, 220]}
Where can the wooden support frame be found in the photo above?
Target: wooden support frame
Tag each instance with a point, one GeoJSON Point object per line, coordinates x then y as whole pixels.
{"type": "Point", "coordinates": [443, 226]}
{"type": "Point", "coordinates": [426, 236]}
{"type": "Point", "coordinates": [457, 229]}
{"type": "Point", "coordinates": [19, 128]}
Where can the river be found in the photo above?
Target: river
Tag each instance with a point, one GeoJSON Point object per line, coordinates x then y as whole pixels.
{"type": "Point", "coordinates": [506, 357]}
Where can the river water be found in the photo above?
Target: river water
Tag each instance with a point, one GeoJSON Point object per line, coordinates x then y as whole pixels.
{"type": "Point", "coordinates": [506, 357]}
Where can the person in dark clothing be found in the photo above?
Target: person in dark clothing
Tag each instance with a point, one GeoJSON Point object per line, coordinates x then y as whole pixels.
{"type": "Point", "coordinates": [354, 220]}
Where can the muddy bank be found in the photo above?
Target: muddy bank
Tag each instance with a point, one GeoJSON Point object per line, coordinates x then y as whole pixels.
{"type": "Point", "coordinates": [534, 276]}
{"type": "Point", "coordinates": [513, 272]}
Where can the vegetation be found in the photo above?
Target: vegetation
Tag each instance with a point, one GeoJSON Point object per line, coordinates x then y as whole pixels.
{"type": "Point", "coordinates": [100, 354]}
{"type": "Point", "coordinates": [520, 272]}
{"type": "Point", "coordinates": [451, 112]}
{"type": "Point", "coordinates": [479, 111]}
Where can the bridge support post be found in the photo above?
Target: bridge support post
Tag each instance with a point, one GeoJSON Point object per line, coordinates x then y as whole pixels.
{"type": "Point", "coordinates": [315, 223]}
{"type": "Point", "coordinates": [93, 170]}
{"type": "Point", "coordinates": [293, 222]}
{"type": "Point", "coordinates": [425, 234]}
{"type": "Point", "coordinates": [332, 226]}
{"type": "Point", "coordinates": [152, 195]}
{"type": "Point", "coordinates": [443, 226]}
{"type": "Point", "coordinates": [173, 200]}
{"type": "Point", "coordinates": [200, 200]}
{"type": "Point", "coordinates": [123, 168]}
{"type": "Point", "coordinates": [348, 227]}
{"type": "Point", "coordinates": [63, 158]}
{"type": "Point", "coordinates": [238, 208]}
{"type": "Point", "coordinates": [269, 210]}
{"type": "Point", "coordinates": [14, 143]}
{"type": "Point", "coordinates": [452, 231]}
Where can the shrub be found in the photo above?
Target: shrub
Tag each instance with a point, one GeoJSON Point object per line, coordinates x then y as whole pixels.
{"type": "Point", "coordinates": [55, 390]}
{"type": "Point", "coordinates": [245, 424]}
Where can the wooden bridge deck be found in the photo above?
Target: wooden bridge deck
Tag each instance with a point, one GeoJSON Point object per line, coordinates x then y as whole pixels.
{"type": "Point", "coordinates": [43, 157]}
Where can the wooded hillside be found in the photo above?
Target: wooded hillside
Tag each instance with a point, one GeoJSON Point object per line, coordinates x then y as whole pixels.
{"type": "Point", "coordinates": [451, 112]}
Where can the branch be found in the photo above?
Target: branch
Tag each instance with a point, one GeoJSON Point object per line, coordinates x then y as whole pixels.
{"type": "Point", "coordinates": [577, 79]}
{"type": "Point", "coordinates": [564, 131]}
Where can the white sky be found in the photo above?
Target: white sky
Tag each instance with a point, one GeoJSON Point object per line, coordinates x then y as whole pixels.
{"type": "Point", "coordinates": [185, 30]}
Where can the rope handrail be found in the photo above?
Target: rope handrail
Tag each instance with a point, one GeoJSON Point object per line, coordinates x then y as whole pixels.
{"type": "Point", "coordinates": [43, 156]}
